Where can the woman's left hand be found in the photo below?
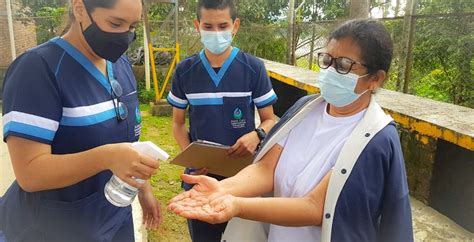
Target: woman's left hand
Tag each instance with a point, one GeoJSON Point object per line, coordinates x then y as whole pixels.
{"type": "Point", "coordinates": [150, 206]}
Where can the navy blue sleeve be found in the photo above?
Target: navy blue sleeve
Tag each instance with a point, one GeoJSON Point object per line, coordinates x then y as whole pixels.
{"type": "Point", "coordinates": [31, 100]}
{"type": "Point", "coordinates": [262, 93]}
{"type": "Point", "coordinates": [396, 220]}
{"type": "Point", "coordinates": [177, 96]}
{"type": "Point", "coordinates": [374, 202]}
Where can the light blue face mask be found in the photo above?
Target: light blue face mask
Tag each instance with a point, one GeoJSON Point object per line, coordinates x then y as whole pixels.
{"type": "Point", "coordinates": [216, 42]}
{"type": "Point", "coordinates": [338, 89]}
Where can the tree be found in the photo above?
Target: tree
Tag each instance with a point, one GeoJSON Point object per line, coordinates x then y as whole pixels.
{"type": "Point", "coordinates": [46, 14]}
{"type": "Point", "coordinates": [49, 24]}
{"type": "Point", "coordinates": [443, 53]}
{"type": "Point", "coordinates": [359, 9]}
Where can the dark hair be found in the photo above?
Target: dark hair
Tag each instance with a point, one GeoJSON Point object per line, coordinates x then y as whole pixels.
{"type": "Point", "coordinates": [373, 39]}
{"type": "Point", "coordinates": [217, 4]}
{"type": "Point", "coordinates": [91, 5]}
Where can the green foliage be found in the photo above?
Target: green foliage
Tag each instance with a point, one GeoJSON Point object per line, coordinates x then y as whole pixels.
{"type": "Point", "coordinates": [47, 15]}
{"type": "Point", "coordinates": [263, 41]}
{"type": "Point", "coordinates": [304, 63]}
{"type": "Point", "coordinates": [260, 11]}
{"type": "Point", "coordinates": [433, 86]}
{"type": "Point", "coordinates": [443, 58]}
{"type": "Point", "coordinates": [30, 7]}
{"type": "Point", "coordinates": [48, 25]}
{"type": "Point", "coordinates": [444, 6]}
{"type": "Point", "coordinates": [443, 54]}
{"type": "Point", "coordinates": [144, 96]}
{"type": "Point", "coordinates": [328, 9]}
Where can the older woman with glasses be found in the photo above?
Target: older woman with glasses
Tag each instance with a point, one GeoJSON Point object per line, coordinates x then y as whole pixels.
{"type": "Point", "coordinates": [333, 162]}
{"type": "Point", "coordinates": [70, 113]}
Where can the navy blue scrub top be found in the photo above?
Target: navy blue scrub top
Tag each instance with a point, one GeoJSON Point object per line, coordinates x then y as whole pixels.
{"type": "Point", "coordinates": [221, 101]}
{"type": "Point", "coordinates": [54, 95]}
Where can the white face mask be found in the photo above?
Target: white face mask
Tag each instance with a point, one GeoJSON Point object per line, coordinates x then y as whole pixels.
{"type": "Point", "coordinates": [338, 89]}
{"type": "Point", "coordinates": [216, 42]}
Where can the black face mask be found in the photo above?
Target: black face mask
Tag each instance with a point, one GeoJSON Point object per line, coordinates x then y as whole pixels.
{"type": "Point", "coordinates": [107, 45]}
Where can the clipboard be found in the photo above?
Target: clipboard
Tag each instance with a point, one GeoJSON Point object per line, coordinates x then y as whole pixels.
{"type": "Point", "coordinates": [213, 156]}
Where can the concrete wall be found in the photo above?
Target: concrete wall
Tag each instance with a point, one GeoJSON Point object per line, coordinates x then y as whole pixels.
{"type": "Point", "coordinates": [24, 32]}
{"type": "Point", "coordinates": [287, 96]}
{"type": "Point", "coordinates": [452, 185]}
{"type": "Point", "coordinates": [419, 153]}
{"type": "Point", "coordinates": [440, 174]}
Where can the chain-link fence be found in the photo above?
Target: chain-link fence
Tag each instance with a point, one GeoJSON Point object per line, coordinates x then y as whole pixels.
{"type": "Point", "coordinates": [439, 64]}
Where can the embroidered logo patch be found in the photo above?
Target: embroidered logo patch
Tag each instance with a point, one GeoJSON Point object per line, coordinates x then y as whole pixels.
{"type": "Point", "coordinates": [238, 121]}
{"type": "Point", "coordinates": [138, 116]}
{"type": "Point", "coordinates": [138, 119]}
{"type": "Point", "coordinates": [238, 114]}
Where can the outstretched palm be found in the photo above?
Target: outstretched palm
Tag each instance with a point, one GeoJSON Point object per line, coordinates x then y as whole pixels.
{"type": "Point", "coordinates": [220, 210]}
{"type": "Point", "coordinates": [206, 201]}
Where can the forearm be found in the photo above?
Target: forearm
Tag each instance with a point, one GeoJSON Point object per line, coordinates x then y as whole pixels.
{"type": "Point", "coordinates": [181, 135]}
{"type": "Point", "coordinates": [281, 211]}
{"type": "Point", "coordinates": [267, 125]}
{"type": "Point", "coordinates": [49, 171]}
{"type": "Point", "coordinates": [252, 181]}
{"type": "Point", "coordinates": [304, 211]}
{"type": "Point", "coordinates": [267, 118]}
{"type": "Point", "coordinates": [255, 179]}
{"type": "Point", "coordinates": [146, 188]}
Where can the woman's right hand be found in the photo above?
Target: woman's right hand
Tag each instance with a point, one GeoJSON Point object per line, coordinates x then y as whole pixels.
{"type": "Point", "coordinates": [127, 163]}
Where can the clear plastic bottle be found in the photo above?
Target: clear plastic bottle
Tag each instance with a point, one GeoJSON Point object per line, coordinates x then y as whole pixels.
{"type": "Point", "coordinates": [118, 192]}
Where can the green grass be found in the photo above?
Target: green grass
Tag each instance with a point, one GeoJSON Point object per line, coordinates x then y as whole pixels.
{"type": "Point", "coordinates": [304, 63]}
{"type": "Point", "coordinates": [166, 184]}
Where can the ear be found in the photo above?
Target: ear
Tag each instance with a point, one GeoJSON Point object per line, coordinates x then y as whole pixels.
{"type": "Point", "coordinates": [196, 25]}
{"type": "Point", "coordinates": [236, 26]}
{"type": "Point", "coordinates": [79, 11]}
{"type": "Point", "coordinates": [377, 80]}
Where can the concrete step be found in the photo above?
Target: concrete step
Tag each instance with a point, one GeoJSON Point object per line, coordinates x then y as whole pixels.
{"type": "Point", "coordinates": [430, 225]}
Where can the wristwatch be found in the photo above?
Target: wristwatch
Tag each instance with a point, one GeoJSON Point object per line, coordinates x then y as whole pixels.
{"type": "Point", "coordinates": [261, 133]}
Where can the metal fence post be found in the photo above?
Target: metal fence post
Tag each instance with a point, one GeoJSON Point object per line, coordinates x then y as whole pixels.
{"type": "Point", "coordinates": [291, 25]}
{"type": "Point", "coordinates": [10, 29]}
{"type": "Point", "coordinates": [405, 58]}
{"type": "Point", "coordinates": [311, 51]}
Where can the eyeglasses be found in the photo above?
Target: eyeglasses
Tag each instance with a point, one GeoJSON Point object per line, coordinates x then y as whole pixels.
{"type": "Point", "coordinates": [121, 110]}
{"type": "Point", "coordinates": [343, 65]}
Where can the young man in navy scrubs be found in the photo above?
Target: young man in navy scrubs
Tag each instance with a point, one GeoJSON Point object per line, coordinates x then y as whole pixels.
{"type": "Point", "coordinates": [222, 86]}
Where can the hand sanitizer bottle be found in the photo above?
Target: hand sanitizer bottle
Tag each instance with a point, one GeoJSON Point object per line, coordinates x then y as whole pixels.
{"type": "Point", "coordinates": [118, 192]}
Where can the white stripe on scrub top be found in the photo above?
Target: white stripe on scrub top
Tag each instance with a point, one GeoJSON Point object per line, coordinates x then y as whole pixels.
{"type": "Point", "coordinates": [310, 151]}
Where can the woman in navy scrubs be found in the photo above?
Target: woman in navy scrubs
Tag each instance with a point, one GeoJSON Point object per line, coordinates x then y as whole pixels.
{"type": "Point", "coordinates": [70, 112]}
